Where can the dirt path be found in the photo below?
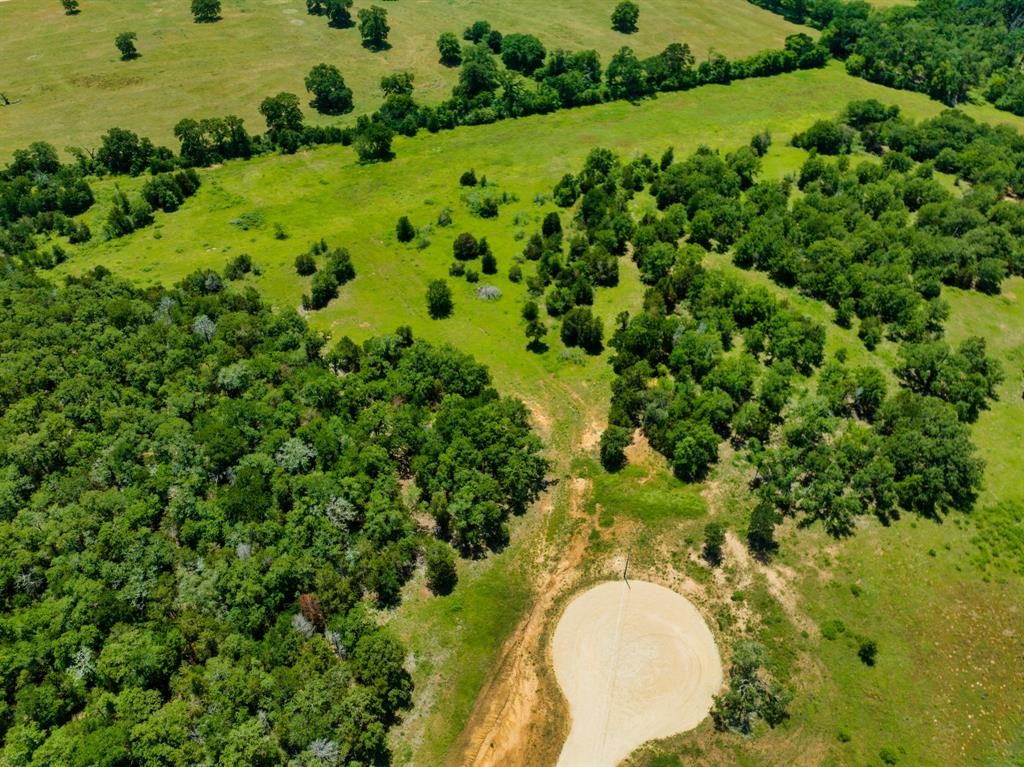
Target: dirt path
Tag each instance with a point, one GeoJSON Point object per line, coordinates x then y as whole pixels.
{"type": "Point", "coordinates": [636, 662]}
{"type": "Point", "coordinates": [514, 708]}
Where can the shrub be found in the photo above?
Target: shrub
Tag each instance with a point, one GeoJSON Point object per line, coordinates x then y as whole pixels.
{"type": "Point", "coordinates": [714, 539]}
{"type": "Point", "coordinates": [238, 267]}
{"type": "Point", "coordinates": [441, 572]}
{"type": "Point", "coordinates": [614, 442]}
{"type": "Point", "coordinates": [867, 651]}
{"type": "Point", "coordinates": [439, 300]}
{"type": "Point", "coordinates": [404, 230]}
{"type": "Point", "coordinates": [488, 263]}
{"type": "Point", "coordinates": [465, 247]}
{"type": "Point", "coordinates": [468, 178]}
{"type": "Point", "coordinates": [305, 264]}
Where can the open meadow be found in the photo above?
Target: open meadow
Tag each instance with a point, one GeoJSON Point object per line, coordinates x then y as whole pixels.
{"type": "Point", "coordinates": [71, 86]}
{"type": "Point", "coordinates": [943, 600]}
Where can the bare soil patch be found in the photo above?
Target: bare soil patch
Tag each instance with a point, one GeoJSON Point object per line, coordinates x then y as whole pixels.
{"type": "Point", "coordinates": [636, 662]}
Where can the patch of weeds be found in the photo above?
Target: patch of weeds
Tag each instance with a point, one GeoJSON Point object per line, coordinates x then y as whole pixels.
{"type": "Point", "coordinates": [252, 219]}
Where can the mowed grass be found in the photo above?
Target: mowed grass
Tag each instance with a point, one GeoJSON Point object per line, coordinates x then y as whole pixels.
{"type": "Point", "coordinates": [72, 85]}
{"type": "Point", "coordinates": [946, 687]}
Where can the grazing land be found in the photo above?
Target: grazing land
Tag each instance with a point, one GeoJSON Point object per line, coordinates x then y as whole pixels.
{"type": "Point", "coordinates": [457, 643]}
{"type": "Point", "coordinates": [881, 636]}
{"type": "Point", "coordinates": [72, 86]}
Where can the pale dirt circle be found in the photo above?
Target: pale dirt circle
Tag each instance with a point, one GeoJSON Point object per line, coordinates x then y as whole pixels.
{"type": "Point", "coordinates": [636, 662]}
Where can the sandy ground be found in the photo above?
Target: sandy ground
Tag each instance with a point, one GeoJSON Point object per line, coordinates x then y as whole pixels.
{"type": "Point", "coordinates": [636, 662]}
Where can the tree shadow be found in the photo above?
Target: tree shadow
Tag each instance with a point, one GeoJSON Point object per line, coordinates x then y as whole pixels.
{"type": "Point", "coordinates": [383, 45]}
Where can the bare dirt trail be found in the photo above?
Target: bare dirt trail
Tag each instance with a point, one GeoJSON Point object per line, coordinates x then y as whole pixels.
{"type": "Point", "coordinates": [511, 722]}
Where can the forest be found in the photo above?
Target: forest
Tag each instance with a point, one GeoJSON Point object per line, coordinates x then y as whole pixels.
{"type": "Point", "coordinates": [199, 505]}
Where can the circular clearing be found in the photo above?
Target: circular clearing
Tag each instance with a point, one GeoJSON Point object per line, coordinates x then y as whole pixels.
{"type": "Point", "coordinates": [636, 662]}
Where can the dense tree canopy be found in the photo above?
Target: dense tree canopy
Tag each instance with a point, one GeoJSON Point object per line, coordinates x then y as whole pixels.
{"type": "Point", "coordinates": [194, 509]}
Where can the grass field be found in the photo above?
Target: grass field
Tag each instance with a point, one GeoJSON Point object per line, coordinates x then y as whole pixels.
{"type": "Point", "coordinates": [72, 86]}
{"type": "Point", "coordinates": [942, 600]}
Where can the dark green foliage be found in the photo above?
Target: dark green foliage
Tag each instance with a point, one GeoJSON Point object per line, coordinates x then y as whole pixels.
{"type": "Point", "coordinates": [125, 43]}
{"type": "Point", "coordinates": [305, 264]}
{"type": "Point", "coordinates": [339, 13]}
{"type": "Point", "coordinates": [439, 300]}
{"type": "Point", "coordinates": [826, 137]}
{"type": "Point", "coordinates": [626, 76]}
{"type": "Point", "coordinates": [239, 266]}
{"type": "Point", "coordinates": [488, 263]}
{"type": "Point", "coordinates": [479, 72]}
{"type": "Point", "coordinates": [966, 378]}
{"type": "Point", "coordinates": [465, 247]}
{"type": "Point", "coordinates": [522, 53]}
{"type": "Point", "coordinates": [398, 84]}
{"type": "Point", "coordinates": [168, 191]}
{"type": "Point", "coordinates": [614, 441]}
{"type": "Point", "coordinates": [212, 140]}
{"type": "Point", "coordinates": [373, 27]}
{"type": "Point", "coordinates": [752, 696]}
{"type": "Point", "coordinates": [625, 17]}
{"type": "Point", "coordinates": [330, 94]}
{"type": "Point", "coordinates": [404, 230]}
{"type": "Point", "coordinates": [126, 216]}
{"type": "Point", "coordinates": [205, 11]}
{"type": "Point", "coordinates": [284, 118]}
{"type": "Point", "coordinates": [477, 31]}
{"type": "Point", "coordinates": [580, 327]}
{"type": "Point", "coordinates": [867, 651]}
{"type": "Point", "coordinates": [441, 573]}
{"type": "Point", "coordinates": [373, 139]}
{"type": "Point", "coordinates": [70, 7]}
{"type": "Point", "coordinates": [714, 539]}
{"type": "Point", "coordinates": [221, 503]}
{"type": "Point", "coordinates": [450, 49]}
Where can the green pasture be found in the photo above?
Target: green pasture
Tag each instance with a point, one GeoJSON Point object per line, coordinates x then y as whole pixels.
{"type": "Point", "coordinates": [71, 85]}
{"type": "Point", "coordinates": [941, 598]}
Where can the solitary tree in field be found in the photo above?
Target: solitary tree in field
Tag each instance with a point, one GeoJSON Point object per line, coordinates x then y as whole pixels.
{"type": "Point", "coordinates": [205, 11]}
{"type": "Point", "coordinates": [450, 49]}
{"type": "Point", "coordinates": [338, 14]}
{"type": "Point", "coordinates": [70, 6]}
{"type": "Point", "coordinates": [404, 230]}
{"type": "Point", "coordinates": [330, 94]}
{"type": "Point", "coordinates": [373, 27]}
{"type": "Point", "coordinates": [625, 16]}
{"type": "Point", "coordinates": [439, 299]}
{"type": "Point", "coordinates": [125, 43]}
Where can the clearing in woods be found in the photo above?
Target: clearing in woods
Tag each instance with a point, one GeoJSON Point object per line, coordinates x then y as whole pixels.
{"type": "Point", "coordinates": [636, 662]}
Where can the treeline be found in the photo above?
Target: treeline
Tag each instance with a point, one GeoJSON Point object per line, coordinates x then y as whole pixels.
{"type": "Point", "coordinates": [198, 501]}
{"type": "Point", "coordinates": [944, 48]}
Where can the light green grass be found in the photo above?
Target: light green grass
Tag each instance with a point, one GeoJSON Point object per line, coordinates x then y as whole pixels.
{"type": "Point", "coordinates": [938, 619]}
{"type": "Point", "coordinates": [72, 85]}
